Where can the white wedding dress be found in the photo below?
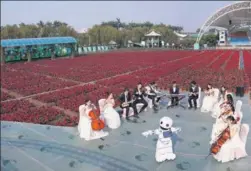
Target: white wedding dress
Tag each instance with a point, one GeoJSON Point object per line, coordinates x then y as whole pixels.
{"type": "Point", "coordinates": [210, 100]}
{"type": "Point", "coordinates": [85, 128]}
{"type": "Point", "coordinates": [111, 116]}
{"type": "Point", "coordinates": [207, 103]}
{"type": "Point", "coordinates": [216, 108]}
{"type": "Point", "coordinates": [219, 122]}
{"type": "Point", "coordinates": [234, 148]}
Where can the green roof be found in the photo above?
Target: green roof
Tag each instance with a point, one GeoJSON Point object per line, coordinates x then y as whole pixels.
{"type": "Point", "coordinates": [37, 41]}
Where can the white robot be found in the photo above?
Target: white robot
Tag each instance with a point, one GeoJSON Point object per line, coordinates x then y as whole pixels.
{"type": "Point", "coordinates": [164, 147]}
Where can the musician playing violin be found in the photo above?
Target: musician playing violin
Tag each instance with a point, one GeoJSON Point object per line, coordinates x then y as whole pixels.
{"type": "Point", "coordinates": [127, 102]}
{"type": "Point", "coordinates": [139, 94]}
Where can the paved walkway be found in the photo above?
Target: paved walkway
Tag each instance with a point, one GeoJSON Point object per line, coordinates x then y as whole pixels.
{"type": "Point", "coordinates": [30, 147]}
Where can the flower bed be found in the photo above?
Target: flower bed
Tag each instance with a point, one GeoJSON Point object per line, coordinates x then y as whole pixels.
{"type": "Point", "coordinates": [15, 106]}
{"type": "Point", "coordinates": [112, 72]}
{"type": "Point", "coordinates": [41, 115]}
{"type": "Point", "coordinates": [5, 96]}
{"type": "Point", "coordinates": [247, 67]}
{"type": "Point", "coordinates": [27, 83]}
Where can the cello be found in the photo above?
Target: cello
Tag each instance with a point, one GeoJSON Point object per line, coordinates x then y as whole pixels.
{"type": "Point", "coordinates": [97, 124]}
{"type": "Point", "coordinates": [223, 137]}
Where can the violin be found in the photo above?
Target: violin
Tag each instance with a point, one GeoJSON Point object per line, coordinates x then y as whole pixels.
{"type": "Point", "coordinates": [223, 137]}
{"type": "Point", "coordinates": [97, 124]}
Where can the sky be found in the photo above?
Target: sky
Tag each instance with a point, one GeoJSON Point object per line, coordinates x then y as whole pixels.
{"type": "Point", "coordinates": [84, 14]}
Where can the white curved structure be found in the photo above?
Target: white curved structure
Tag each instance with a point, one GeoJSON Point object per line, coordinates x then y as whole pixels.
{"type": "Point", "coordinates": [236, 14]}
{"type": "Point", "coordinates": [180, 35]}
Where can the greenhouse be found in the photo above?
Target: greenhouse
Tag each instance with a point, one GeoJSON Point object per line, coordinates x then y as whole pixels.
{"type": "Point", "coordinates": [35, 48]}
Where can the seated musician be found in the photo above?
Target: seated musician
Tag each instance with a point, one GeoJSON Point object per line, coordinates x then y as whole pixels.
{"type": "Point", "coordinates": [139, 94]}
{"type": "Point", "coordinates": [111, 116]}
{"type": "Point", "coordinates": [173, 91]}
{"type": "Point", "coordinates": [208, 100]}
{"type": "Point", "coordinates": [223, 98]}
{"type": "Point", "coordinates": [85, 125]}
{"type": "Point", "coordinates": [227, 109]}
{"type": "Point", "coordinates": [231, 146]}
{"type": "Point", "coordinates": [127, 102]}
{"type": "Point", "coordinates": [193, 95]}
{"type": "Point", "coordinates": [151, 91]}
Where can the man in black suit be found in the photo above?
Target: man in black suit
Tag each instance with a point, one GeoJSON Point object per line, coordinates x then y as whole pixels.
{"type": "Point", "coordinates": [139, 94]}
{"type": "Point", "coordinates": [126, 102]}
{"type": "Point", "coordinates": [174, 90]}
{"type": "Point", "coordinates": [193, 95]}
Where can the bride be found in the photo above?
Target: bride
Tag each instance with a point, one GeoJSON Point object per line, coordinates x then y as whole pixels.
{"type": "Point", "coordinates": [208, 100]}
{"type": "Point", "coordinates": [85, 123]}
{"type": "Point", "coordinates": [223, 95]}
{"type": "Point", "coordinates": [235, 146]}
{"type": "Point", "coordinates": [111, 116]}
{"type": "Point", "coordinates": [227, 109]}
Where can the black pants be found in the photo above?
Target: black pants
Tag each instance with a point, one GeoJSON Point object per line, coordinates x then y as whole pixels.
{"type": "Point", "coordinates": [128, 108]}
{"type": "Point", "coordinates": [137, 101]}
{"type": "Point", "coordinates": [194, 99]}
{"type": "Point", "coordinates": [154, 99]}
{"type": "Point", "coordinates": [174, 101]}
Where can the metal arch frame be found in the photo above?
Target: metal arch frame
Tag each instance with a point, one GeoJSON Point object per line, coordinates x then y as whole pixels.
{"type": "Point", "coordinates": [220, 13]}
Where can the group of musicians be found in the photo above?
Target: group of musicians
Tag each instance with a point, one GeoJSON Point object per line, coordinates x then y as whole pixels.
{"type": "Point", "coordinates": [228, 119]}
{"type": "Point", "coordinates": [151, 92]}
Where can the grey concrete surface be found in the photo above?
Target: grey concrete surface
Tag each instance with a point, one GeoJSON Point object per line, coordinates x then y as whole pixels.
{"type": "Point", "coordinates": [30, 147]}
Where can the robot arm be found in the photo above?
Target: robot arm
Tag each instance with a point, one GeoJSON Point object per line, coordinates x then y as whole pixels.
{"type": "Point", "coordinates": [151, 132]}
{"type": "Point", "coordinates": [176, 130]}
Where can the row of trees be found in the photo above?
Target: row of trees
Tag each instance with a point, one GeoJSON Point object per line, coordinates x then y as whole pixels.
{"type": "Point", "coordinates": [98, 34]}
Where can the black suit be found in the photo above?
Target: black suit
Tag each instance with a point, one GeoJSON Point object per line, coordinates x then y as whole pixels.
{"type": "Point", "coordinates": [176, 91]}
{"type": "Point", "coordinates": [124, 99]}
{"type": "Point", "coordinates": [194, 96]}
{"type": "Point", "coordinates": [139, 98]}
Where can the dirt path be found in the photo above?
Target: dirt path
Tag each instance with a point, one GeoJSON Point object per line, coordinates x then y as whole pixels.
{"type": "Point", "coordinates": [226, 61]}
{"type": "Point", "coordinates": [38, 103]}
{"type": "Point", "coordinates": [213, 61]}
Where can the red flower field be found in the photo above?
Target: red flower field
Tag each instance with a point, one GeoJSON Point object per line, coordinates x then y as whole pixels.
{"type": "Point", "coordinates": [50, 91]}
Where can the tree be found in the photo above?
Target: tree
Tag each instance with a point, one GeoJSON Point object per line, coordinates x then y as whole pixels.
{"type": "Point", "coordinates": [210, 39]}
{"type": "Point", "coordinates": [98, 34]}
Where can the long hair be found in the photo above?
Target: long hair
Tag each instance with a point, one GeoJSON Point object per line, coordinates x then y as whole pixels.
{"type": "Point", "coordinates": [223, 92]}
{"type": "Point", "coordinates": [209, 85]}
{"type": "Point", "coordinates": [230, 101]}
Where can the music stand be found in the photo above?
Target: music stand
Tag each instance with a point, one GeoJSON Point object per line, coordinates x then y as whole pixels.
{"type": "Point", "coordinates": [177, 103]}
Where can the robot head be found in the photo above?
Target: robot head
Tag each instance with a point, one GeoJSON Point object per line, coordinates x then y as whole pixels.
{"type": "Point", "coordinates": [165, 123]}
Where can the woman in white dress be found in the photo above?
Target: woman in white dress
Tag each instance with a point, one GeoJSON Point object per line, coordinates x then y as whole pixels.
{"type": "Point", "coordinates": [234, 147]}
{"type": "Point", "coordinates": [227, 109]}
{"type": "Point", "coordinates": [85, 123]}
{"type": "Point", "coordinates": [112, 118]}
{"type": "Point", "coordinates": [217, 109]}
{"type": "Point", "coordinates": [208, 100]}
